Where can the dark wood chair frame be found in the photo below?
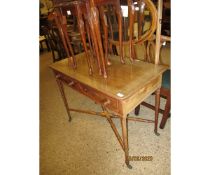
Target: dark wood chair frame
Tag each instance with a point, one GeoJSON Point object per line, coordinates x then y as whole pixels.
{"type": "Point", "coordinates": [54, 41]}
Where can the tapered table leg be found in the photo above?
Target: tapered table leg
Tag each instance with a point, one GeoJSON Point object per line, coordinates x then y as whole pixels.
{"type": "Point", "coordinates": [157, 106]}
{"type": "Point", "coordinates": [60, 85]}
{"type": "Point", "coordinates": [125, 139]}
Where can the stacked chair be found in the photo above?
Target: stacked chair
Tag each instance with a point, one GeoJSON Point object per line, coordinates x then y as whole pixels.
{"type": "Point", "coordinates": [100, 24]}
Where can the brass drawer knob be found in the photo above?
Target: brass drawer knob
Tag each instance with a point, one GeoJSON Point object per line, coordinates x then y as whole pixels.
{"type": "Point", "coordinates": [107, 102]}
{"type": "Point", "coordinates": [71, 83]}
{"type": "Point", "coordinates": [57, 76]}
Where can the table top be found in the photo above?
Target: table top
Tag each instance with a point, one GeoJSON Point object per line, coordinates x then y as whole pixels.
{"type": "Point", "coordinates": [123, 79]}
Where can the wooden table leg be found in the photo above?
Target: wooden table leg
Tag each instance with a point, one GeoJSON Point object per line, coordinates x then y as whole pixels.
{"type": "Point", "coordinates": [60, 85]}
{"type": "Point", "coordinates": [157, 106]}
{"type": "Point", "coordinates": [125, 139]}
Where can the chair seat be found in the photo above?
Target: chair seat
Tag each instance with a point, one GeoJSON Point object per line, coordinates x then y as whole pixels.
{"type": "Point", "coordinates": [166, 83]}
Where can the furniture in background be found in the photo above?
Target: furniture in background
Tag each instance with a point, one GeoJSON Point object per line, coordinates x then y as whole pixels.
{"type": "Point", "coordinates": [43, 22]}
{"type": "Point", "coordinates": [166, 17]}
{"type": "Point", "coordinates": [41, 40]}
{"type": "Point", "coordinates": [54, 41]}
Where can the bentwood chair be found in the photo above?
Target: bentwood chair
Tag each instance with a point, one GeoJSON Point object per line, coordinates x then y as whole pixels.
{"type": "Point", "coordinates": [165, 87]}
{"type": "Point", "coordinates": [139, 27]}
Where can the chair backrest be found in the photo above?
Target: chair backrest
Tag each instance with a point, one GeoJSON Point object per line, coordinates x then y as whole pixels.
{"type": "Point", "coordinates": [143, 20]}
{"type": "Point", "coordinates": [139, 25]}
{"type": "Point", "coordinates": [98, 21]}
{"type": "Point", "coordinates": [155, 45]}
{"type": "Point", "coordinates": [53, 38]}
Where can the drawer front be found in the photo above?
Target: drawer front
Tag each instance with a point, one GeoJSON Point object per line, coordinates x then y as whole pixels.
{"type": "Point", "coordinates": [99, 97]}
{"type": "Point", "coordinates": [94, 94]}
{"type": "Point", "coordinates": [130, 103]}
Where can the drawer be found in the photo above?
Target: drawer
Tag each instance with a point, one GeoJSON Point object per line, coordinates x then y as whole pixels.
{"type": "Point", "coordinates": [67, 80]}
{"type": "Point", "coordinates": [90, 92]}
{"type": "Point", "coordinates": [99, 97]}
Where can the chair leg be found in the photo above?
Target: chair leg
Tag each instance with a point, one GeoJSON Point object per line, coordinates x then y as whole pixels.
{"type": "Point", "coordinates": [157, 106]}
{"type": "Point", "coordinates": [47, 44]}
{"type": "Point", "coordinates": [137, 109]}
{"type": "Point", "coordinates": [41, 46]}
{"type": "Point", "coordinates": [53, 54]}
{"type": "Point", "coordinates": [166, 113]}
{"type": "Point", "coordinates": [81, 27]}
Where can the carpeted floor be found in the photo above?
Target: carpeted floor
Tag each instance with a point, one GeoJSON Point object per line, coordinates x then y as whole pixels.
{"type": "Point", "coordinates": [88, 145]}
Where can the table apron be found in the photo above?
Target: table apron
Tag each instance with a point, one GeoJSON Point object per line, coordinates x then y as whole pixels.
{"type": "Point", "coordinates": [95, 95]}
{"type": "Point", "coordinates": [120, 107]}
{"type": "Point", "coordinates": [129, 104]}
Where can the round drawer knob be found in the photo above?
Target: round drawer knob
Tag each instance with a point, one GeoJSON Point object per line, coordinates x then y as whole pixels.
{"type": "Point", "coordinates": [71, 83]}
{"type": "Point", "coordinates": [57, 76]}
{"type": "Point", "coordinates": [106, 102]}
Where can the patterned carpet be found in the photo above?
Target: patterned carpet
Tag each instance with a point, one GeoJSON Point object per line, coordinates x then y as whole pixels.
{"type": "Point", "coordinates": [88, 145]}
